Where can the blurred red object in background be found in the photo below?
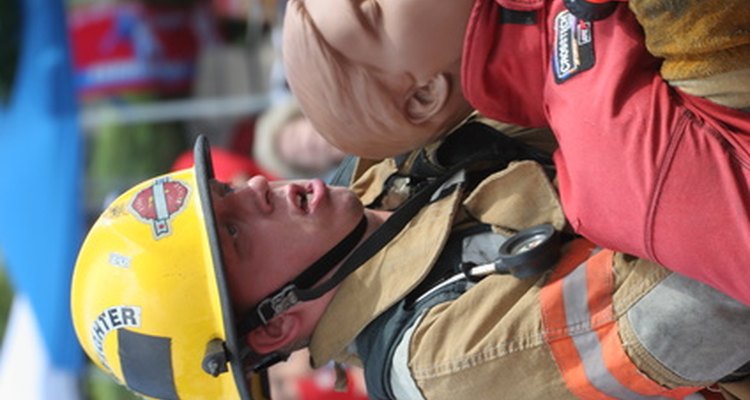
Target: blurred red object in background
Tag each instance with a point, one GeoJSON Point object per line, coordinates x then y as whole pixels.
{"type": "Point", "coordinates": [228, 166]}
{"type": "Point", "coordinates": [135, 47]}
{"type": "Point", "coordinates": [295, 379]}
{"type": "Point", "coordinates": [319, 386]}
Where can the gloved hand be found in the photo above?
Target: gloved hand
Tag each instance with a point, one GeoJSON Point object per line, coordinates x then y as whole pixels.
{"type": "Point", "coordinates": [705, 45]}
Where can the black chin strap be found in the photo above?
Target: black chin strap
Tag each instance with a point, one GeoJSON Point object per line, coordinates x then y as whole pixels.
{"type": "Point", "coordinates": [289, 295]}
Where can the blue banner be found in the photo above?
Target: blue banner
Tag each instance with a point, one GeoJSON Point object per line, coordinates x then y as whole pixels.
{"type": "Point", "coordinates": [41, 165]}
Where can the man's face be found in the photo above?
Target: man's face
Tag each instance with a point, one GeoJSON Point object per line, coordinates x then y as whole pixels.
{"type": "Point", "coordinates": [270, 232]}
{"type": "Point", "coordinates": [401, 36]}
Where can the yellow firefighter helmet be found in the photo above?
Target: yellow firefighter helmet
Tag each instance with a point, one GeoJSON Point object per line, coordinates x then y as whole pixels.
{"type": "Point", "coordinates": [149, 300]}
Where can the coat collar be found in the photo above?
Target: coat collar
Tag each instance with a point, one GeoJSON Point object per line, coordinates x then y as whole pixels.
{"type": "Point", "coordinates": [516, 198]}
{"type": "Point", "coordinates": [383, 280]}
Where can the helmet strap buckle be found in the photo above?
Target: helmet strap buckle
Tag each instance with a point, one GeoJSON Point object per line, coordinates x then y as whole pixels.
{"type": "Point", "coordinates": [277, 303]}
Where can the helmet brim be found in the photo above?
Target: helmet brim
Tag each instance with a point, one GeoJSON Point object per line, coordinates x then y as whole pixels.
{"type": "Point", "coordinates": [204, 173]}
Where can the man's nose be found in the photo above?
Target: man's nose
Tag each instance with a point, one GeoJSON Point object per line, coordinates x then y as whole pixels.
{"type": "Point", "coordinates": [259, 192]}
{"type": "Point", "coordinates": [258, 182]}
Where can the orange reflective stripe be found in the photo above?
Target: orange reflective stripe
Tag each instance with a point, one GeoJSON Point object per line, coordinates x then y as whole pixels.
{"type": "Point", "coordinates": [582, 332]}
{"type": "Point", "coordinates": [553, 310]}
{"type": "Point", "coordinates": [556, 327]}
{"type": "Point", "coordinates": [619, 364]}
{"type": "Point", "coordinates": [615, 358]}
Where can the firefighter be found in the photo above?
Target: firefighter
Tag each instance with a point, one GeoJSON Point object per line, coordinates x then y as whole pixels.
{"type": "Point", "coordinates": [468, 282]}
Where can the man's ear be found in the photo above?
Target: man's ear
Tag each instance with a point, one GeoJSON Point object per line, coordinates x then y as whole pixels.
{"type": "Point", "coordinates": [426, 99]}
{"type": "Point", "coordinates": [279, 332]}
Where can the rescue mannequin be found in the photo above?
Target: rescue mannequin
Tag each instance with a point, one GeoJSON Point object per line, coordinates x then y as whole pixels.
{"type": "Point", "coordinates": [652, 165]}
{"type": "Point", "coordinates": [230, 248]}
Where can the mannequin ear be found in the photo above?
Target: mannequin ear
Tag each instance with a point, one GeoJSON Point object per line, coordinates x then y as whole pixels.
{"type": "Point", "coordinates": [427, 99]}
{"type": "Point", "coordinates": [279, 332]}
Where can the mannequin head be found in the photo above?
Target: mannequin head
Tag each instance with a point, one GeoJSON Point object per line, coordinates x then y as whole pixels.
{"type": "Point", "coordinates": [369, 75]}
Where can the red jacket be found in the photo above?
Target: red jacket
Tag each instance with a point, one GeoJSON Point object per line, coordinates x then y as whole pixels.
{"type": "Point", "coordinates": [643, 168]}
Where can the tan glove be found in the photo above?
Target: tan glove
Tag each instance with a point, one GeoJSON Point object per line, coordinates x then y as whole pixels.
{"type": "Point", "coordinates": [705, 45]}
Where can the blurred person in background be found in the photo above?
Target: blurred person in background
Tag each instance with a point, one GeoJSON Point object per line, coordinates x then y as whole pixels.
{"type": "Point", "coordinates": [289, 146]}
{"type": "Point", "coordinates": [295, 379]}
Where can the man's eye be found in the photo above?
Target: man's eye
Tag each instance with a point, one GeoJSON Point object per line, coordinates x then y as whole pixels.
{"type": "Point", "coordinates": [221, 189]}
{"type": "Point", "coordinates": [226, 189]}
{"type": "Point", "coordinates": [232, 230]}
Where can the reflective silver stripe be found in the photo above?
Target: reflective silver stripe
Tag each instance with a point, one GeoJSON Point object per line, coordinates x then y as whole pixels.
{"type": "Point", "coordinates": [160, 201]}
{"type": "Point", "coordinates": [402, 383]}
{"type": "Point", "coordinates": [575, 298]}
{"type": "Point", "coordinates": [578, 319]}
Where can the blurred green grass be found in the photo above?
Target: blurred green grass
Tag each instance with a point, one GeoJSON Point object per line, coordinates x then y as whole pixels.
{"type": "Point", "coordinates": [6, 297]}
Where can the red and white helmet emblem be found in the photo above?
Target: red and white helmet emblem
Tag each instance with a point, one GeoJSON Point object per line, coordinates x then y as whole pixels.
{"type": "Point", "coordinates": [158, 203]}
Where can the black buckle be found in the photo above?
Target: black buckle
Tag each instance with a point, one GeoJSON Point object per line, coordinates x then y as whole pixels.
{"type": "Point", "coordinates": [215, 359]}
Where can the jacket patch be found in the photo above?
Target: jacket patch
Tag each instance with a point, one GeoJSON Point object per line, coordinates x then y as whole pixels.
{"type": "Point", "coordinates": [573, 48]}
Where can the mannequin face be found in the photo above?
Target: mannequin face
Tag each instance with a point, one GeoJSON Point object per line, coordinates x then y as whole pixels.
{"type": "Point", "coordinates": [395, 36]}
{"type": "Point", "coordinates": [368, 75]}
